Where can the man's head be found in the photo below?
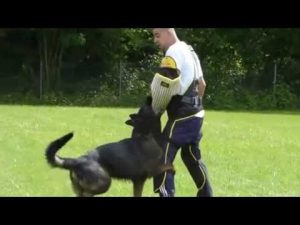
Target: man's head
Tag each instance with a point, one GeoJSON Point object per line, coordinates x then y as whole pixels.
{"type": "Point", "coordinates": [164, 37]}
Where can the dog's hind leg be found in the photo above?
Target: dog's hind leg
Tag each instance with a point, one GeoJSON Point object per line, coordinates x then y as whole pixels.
{"type": "Point", "coordinates": [138, 186]}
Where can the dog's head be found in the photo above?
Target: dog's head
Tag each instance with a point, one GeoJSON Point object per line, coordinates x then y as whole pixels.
{"type": "Point", "coordinates": [145, 121]}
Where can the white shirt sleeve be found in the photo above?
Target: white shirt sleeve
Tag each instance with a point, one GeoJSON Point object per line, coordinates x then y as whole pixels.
{"type": "Point", "coordinates": [177, 56]}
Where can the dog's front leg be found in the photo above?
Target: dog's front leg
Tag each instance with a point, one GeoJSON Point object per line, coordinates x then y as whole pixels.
{"type": "Point", "coordinates": [138, 186]}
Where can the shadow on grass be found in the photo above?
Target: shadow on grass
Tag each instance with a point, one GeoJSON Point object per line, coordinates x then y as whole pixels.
{"type": "Point", "coordinates": [123, 101]}
{"type": "Point", "coordinates": [283, 112]}
{"type": "Point", "coordinates": [137, 105]}
{"type": "Point", "coordinates": [107, 102]}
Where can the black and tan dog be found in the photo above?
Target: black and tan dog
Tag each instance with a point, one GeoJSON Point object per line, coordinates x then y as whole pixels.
{"type": "Point", "coordinates": [136, 158]}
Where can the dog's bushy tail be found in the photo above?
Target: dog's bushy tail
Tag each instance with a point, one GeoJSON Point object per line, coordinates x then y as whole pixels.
{"type": "Point", "coordinates": [56, 161]}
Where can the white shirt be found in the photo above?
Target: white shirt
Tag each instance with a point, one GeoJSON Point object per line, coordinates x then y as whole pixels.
{"type": "Point", "coordinates": [188, 66]}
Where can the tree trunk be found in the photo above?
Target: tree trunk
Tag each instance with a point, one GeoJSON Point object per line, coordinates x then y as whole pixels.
{"type": "Point", "coordinates": [51, 51]}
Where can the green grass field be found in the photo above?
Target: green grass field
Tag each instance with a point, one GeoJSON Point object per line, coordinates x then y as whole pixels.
{"type": "Point", "coordinates": [247, 154]}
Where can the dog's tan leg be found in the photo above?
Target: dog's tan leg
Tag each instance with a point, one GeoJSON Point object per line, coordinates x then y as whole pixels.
{"type": "Point", "coordinates": [138, 188]}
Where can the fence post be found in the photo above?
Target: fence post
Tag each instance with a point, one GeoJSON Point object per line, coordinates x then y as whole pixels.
{"type": "Point", "coordinates": [274, 81]}
{"type": "Point", "coordinates": [120, 78]}
{"type": "Point", "coordinates": [41, 78]}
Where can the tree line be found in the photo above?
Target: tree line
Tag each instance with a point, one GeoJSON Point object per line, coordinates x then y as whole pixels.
{"type": "Point", "coordinates": [249, 68]}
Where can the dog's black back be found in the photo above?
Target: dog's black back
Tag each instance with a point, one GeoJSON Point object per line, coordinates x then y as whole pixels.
{"type": "Point", "coordinates": [138, 157]}
{"type": "Point", "coordinates": [135, 157]}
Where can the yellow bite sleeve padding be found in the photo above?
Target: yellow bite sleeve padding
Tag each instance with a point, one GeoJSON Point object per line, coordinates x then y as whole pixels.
{"type": "Point", "coordinates": [162, 90]}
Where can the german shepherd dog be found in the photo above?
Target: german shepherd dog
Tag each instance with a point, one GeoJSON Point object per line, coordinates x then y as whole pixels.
{"type": "Point", "coordinates": [136, 158]}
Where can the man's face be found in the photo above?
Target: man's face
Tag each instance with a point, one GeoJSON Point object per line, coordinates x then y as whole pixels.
{"type": "Point", "coordinates": [161, 38]}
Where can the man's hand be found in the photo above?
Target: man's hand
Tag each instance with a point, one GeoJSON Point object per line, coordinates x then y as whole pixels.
{"type": "Point", "coordinates": [201, 87]}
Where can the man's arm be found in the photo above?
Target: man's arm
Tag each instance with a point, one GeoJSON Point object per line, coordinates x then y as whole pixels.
{"type": "Point", "coordinates": [201, 87]}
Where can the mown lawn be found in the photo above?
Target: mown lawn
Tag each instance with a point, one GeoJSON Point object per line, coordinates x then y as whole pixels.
{"type": "Point", "coordinates": [246, 153]}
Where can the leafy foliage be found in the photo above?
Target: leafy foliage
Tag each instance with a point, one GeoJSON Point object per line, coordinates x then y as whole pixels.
{"type": "Point", "coordinates": [238, 64]}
